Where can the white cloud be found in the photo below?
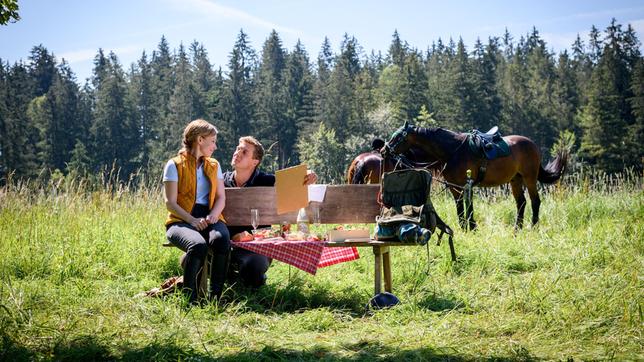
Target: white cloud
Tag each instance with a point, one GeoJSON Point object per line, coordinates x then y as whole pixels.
{"type": "Point", "coordinates": [83, 55]}
{"type": "Point", "coordinates": [206, 7]}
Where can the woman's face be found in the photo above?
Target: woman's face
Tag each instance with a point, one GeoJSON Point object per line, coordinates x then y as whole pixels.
{"type": "Point", "coordinates": [207, 145]}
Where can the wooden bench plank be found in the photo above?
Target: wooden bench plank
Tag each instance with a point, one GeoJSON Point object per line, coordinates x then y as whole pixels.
{"type": "Point", "coordinates": [343, 204]}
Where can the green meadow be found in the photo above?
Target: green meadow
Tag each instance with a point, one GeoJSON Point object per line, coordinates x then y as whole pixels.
{"type": "Point", "coordinates": [74, 257]}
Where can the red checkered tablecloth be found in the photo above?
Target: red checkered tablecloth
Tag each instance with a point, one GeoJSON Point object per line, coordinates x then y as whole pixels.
{"type": "Point", "coordinates": [305, 255]}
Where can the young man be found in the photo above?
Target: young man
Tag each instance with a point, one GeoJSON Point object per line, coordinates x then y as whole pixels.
{"type": "Point", "coordinates": [249, 153]}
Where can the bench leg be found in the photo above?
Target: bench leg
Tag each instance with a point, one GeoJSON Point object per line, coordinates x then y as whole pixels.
{"type": "Point", "coordinates": [386, 267]}
{"type": "Point", "coordinates": [377, 253]}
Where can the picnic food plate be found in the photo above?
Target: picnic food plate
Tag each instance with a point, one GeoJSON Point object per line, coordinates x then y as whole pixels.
{"type": "Point", "coordinates": [243, 236]}
{"type": "Point", "coordinates": [266, 233]}
{"type": "Point", "coordinates": [344, 235]}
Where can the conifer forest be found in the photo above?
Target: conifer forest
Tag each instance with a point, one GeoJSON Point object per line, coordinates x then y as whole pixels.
{"type": "Point", "coordinates": [321, 106]}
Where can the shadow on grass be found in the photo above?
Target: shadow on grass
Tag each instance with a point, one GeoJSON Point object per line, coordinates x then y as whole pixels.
{"type": "Point", "coordinates": [91, 348]}
{"type": "Point", "coordinates": [295, 296]}
{"type": "Point", "coordinates": [437, 303]}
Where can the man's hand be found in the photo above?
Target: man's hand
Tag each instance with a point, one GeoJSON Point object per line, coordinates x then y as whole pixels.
{"type": "Point", "coordinates": [310, 177]}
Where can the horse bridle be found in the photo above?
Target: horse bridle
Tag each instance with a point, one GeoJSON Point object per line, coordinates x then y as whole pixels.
{"type": "Point", "coordinates": [399, 137]}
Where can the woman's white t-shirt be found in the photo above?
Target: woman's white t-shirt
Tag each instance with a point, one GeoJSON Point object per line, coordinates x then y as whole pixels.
{"type": "Point", "coordinates": [203, 186]}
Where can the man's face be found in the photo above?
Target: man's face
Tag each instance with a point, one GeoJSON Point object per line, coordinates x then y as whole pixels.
{"type": "Point", "coordinates": [243, 156]}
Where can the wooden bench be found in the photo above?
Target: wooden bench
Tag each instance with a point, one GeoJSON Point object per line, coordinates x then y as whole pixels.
{"type": "Point", "coordinates": [343, 204]}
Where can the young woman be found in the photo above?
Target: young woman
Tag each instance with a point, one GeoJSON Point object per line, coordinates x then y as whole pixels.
{"type": "Point", "coordinates": [195, 197]}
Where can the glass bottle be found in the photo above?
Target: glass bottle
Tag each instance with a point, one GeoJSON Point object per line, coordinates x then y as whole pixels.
{"type": "Point", "coordinates": [303, 221]}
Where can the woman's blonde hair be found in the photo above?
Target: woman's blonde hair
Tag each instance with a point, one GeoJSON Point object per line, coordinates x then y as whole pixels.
{"type": "Point", "coordinates": [193, 130]}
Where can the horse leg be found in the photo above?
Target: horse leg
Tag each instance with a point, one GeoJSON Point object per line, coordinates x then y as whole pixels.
{"type": "Point", "coordinates": [458, 199]}
{"type": "Point", "coordinates": [535, 201]}
{"type": "Point", "coordinates": [519, 198]}
{"type": "Point", "coordinates": [470, 216]}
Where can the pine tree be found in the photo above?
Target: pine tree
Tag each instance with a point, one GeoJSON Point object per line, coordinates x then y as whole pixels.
{"type": "Point", "coordinates": [322, 86]}
{"type": "Point", "coordinates": [582, 67]}
{"type": "Point", "coordinates": [299, 86]}
{"type": "Point", "coordinates": [4, 113]}
{"type": "Point", "coordinates": [607, 116]}
{"type": "Point", "coordinates": [114, 131]}
{"type": "Point", "coordinates": [67, 125]}
{"type": "Point", "coordinates": [203, 81]}
{"type": "Point", "coordinates": [566, 95]}
{"type": "Point", "coordinates": [142, 97]}
{"type": "Point", "coordinates": [636, 129]}
{"type": "Point", "coordinates": [238, 107]}
{"type": "Point", "coordinates": [540, 120]}
{"type": "Point", "coordinates": [42, 67]}
{"type": "Point", "coordinates": [162, 83]}
{"type": "Point", "coordinates": [40, 115]}
{"type": "Point", "coordinates": [514, 93]}
{"type": "Point", "coordinates": [341, 91]}
{"type": "Point", "coordinates": [366, 101]}
{"type": "Point", "coordinates": [19, 134]}
{"type": "Point", "coordinates": [184, 97]}
{"type": "Point", "coordinates": [397, 51]}
{"type": "Point", "coordinates": [271, 99]}
{"type": "Point", "coordinates": [80, 162]}
{"type": "Point", "coordinates": [486, 102]}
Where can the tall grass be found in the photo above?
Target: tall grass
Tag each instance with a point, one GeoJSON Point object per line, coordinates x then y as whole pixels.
{"type": "Point", "coordinates": [74, 255]}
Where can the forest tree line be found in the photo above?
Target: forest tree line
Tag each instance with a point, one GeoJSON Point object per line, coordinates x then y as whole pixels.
{"type": "Point", "coordinates": [321, 111]}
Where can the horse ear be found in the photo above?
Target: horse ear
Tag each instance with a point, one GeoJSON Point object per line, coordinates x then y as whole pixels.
{"type": "Point", "coordinates": [406, 124]}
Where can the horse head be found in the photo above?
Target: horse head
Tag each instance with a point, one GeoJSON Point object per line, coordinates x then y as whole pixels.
{"type": "Point", "coordinates": [423, 145]}
{"type": "Point", "coordinates": [397, 144]}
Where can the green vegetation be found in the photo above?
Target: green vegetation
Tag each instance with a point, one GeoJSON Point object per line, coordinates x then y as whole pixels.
{"type": "Point", "coordinates": [73, 260]}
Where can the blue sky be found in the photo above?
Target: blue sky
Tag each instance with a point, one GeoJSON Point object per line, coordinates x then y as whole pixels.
{"type": "Point", "coordinates": [76, 29]}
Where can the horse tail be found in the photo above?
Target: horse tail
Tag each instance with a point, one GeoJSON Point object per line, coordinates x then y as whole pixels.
{"type": "Point", "coordinates": [554, 169]}
{"type": "Point", "coordinates": [351, 171]}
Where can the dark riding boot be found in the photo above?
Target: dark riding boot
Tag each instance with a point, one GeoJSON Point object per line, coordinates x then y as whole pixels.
{"type": "Point", "coordinates": [218, 272]}
{"type": "Point", "coordinates": [191, 271]}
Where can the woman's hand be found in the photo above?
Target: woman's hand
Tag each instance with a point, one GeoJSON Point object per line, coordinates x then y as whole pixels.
{"type": "Point", "coordinates": [212, 219]}
{"type": "Point", "coordinates": [199, 223]}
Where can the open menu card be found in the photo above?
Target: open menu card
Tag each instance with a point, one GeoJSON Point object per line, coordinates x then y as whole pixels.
{"type": "Point", "coordinates": [290, 190]}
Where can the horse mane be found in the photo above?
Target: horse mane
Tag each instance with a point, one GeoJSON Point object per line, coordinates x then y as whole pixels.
{"type": "Point", "coordinates": [440, 135]}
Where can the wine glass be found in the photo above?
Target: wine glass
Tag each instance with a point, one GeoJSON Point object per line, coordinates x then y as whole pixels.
{"type": "Point", "coordinates": [254, 219]}
{"type": "Point", "coordinates": [315, 209]}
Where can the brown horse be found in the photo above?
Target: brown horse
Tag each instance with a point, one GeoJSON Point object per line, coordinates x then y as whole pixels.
{"type": "Point", "coordinates": [521, 168]}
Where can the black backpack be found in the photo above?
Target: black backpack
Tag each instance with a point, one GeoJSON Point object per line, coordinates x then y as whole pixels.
{"type": "Point", "coordinates": [406, 200]}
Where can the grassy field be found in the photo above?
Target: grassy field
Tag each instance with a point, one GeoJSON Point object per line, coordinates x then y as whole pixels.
{"type": "Point", "coordinates": [72, 262]}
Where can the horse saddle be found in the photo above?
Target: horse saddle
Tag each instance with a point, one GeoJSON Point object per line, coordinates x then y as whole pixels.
{"type": "Point", "coordinates": [489, 144]}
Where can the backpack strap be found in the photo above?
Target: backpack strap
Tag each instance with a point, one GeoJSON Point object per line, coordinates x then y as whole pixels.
{"type": "Point", "coordinates": [445, 229]}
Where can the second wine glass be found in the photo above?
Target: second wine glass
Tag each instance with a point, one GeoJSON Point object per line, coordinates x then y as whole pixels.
{"type": "Point", "coordinates": [254, 219]}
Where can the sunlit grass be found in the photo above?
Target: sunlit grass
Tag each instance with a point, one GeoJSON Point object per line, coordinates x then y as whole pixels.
{"type": "Point", "coordinates": [74, 257]}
